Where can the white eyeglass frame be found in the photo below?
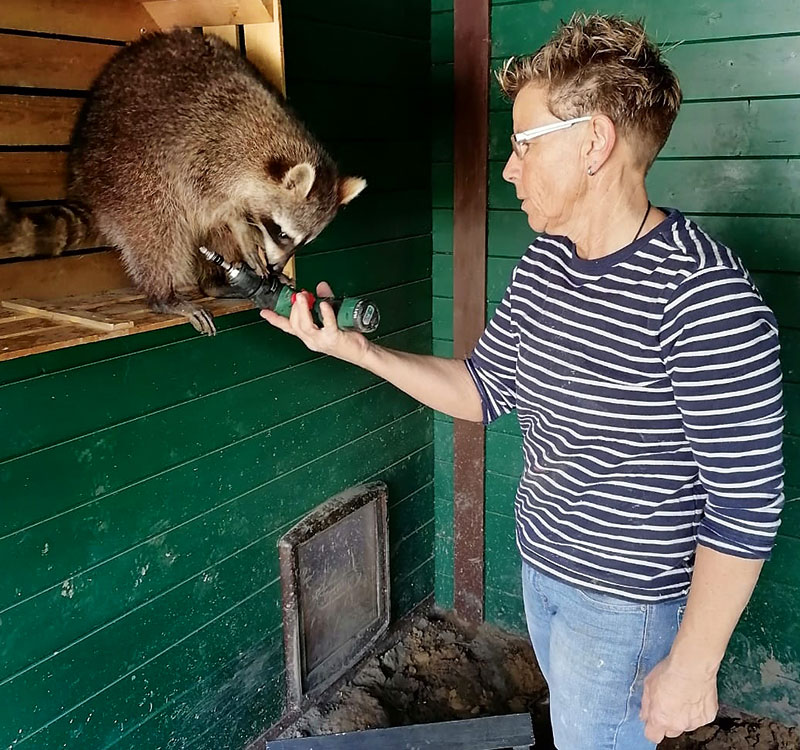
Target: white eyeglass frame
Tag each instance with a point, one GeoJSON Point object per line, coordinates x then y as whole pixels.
{"type": "Point", "coordinates": [526, 136]}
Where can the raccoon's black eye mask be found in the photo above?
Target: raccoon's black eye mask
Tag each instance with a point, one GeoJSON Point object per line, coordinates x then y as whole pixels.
{"type": "Point", "coordinates": [279, 237]}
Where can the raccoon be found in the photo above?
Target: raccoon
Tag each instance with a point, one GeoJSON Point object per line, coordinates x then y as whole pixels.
{"type": "Point", "coordinates": [182, 142]}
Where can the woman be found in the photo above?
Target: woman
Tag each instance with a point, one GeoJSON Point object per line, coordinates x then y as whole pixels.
{"type": "Point", "coordinates": [643, 366]}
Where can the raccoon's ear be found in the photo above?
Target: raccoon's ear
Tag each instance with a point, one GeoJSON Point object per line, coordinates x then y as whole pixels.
{"type": "Point", "coordinates": [300, 179]}
{"type": "Point", "coordinates": [349, 188]}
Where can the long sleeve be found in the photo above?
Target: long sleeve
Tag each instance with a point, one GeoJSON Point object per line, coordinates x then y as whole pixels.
{"type": "Point", "coordinates": [719, 343]}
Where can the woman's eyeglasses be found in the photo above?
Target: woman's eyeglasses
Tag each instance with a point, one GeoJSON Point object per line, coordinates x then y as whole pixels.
{"type": "Point", "coordinates": [520, 141]}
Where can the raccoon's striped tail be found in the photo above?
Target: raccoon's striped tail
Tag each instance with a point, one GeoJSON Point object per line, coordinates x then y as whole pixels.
{"type": "Point", "coordinates": [42, 231]}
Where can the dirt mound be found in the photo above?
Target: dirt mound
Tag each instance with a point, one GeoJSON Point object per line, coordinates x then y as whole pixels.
{"type": "Point", "coordinates": [442, 670]}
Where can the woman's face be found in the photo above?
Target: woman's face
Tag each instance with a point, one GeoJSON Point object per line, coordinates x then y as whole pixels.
{"type": "Point", "coordinates": [550, 178]}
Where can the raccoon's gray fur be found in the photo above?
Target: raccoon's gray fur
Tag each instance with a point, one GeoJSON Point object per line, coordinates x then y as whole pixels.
{"type": "Point", "coordinates": [182, 142]}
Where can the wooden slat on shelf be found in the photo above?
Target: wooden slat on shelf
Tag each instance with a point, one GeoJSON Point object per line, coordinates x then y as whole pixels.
{"type": "Point", "coordinates": [37, 120]}
{"type": "Point", "coordinates": [33, 176]}
{"type": "Point", "coordinates": [66, 311]}
{"type": "Point", "coordinates": [53, 278]}
{"type": "Point", "coordinates": [51, 63]}
{"type": "Point", "coordinates": [102, 19]}
{"type": "Point", "coordinates": [170, 13]}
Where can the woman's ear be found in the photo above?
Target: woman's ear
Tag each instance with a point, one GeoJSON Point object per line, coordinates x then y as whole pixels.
{"type": "Point", "coordinates": [600, 144]}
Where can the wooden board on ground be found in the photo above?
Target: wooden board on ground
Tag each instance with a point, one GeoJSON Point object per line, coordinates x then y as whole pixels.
{"type": "Point", "coordinates": [31, 327]}
{"type": "Point", "coordinates": [485, 733]}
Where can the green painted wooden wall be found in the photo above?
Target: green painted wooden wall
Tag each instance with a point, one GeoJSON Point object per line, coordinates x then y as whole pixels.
{"type": "Point", "coordinates": [732, 164]}
{"type": "Point", "coordinates": [144, 481]}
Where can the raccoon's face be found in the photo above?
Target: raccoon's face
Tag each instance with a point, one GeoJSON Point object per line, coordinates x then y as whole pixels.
{"type": "Point", "coordinates": [295, 211]}
{"type": "Point", "coordinates": [274, 244]}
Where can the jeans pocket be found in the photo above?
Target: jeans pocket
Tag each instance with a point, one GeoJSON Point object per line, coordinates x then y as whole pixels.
{"type": "Point", "coordinates": [609, 603]}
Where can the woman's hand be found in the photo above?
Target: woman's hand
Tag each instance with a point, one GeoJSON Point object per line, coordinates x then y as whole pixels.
{"type": "Point", "coordinates": [677, 701]}
{"type": "Point", "coordinates": [330, 339]}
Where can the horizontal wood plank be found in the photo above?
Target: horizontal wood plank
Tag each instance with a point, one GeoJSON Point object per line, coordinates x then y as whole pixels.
{"type": "Point", "coordinates": [101, 19]}
{"type": "Point", "coordinates": [51, 63]}
{"type": "Point", "coordinates": [736, 128]}
{"type": "Point", "coordinates": [51, 278]}
{"type": "Point", "coordinates": [523, 27]}
{"type": "Point", "coordinates": [33, 176]}
{"type": "Point", "coordinates": [37, 120]}
{"type": "Point", "coordinates": [738, 68]}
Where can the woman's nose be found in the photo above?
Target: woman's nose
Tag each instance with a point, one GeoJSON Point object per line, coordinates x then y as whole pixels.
{"type": "Point", "coordinates": [512, 169]}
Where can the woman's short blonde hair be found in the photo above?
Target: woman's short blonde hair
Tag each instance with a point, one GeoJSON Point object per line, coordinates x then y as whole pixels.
{"type": "Point", "coordinates": [603, 65]}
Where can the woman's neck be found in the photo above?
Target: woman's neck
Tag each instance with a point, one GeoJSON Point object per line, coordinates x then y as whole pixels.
{"type": "Point", "coordinates": [612, 217]}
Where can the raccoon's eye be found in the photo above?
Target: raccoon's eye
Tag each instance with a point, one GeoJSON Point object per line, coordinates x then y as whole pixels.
{"type": "Point", "coordinates": [278, 235]}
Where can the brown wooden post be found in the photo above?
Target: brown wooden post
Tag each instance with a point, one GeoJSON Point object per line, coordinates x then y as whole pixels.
{"type": "Point", "coordinates": [470, 154]}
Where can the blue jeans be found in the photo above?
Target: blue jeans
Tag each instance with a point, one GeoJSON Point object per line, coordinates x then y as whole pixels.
{"type": "Point", "coordinates": [595, 651]}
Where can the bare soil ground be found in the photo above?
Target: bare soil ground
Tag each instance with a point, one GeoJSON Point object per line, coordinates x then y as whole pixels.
{"type": "Point", "coordinates": [442, 670]}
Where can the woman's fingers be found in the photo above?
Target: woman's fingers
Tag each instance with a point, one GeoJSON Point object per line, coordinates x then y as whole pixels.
{"type": "Point", "coordinates": [277, 320]}
{"type": "Point", "coordinates": [328, 316]}
{"type": "Point", "coordinates": [324, 289]}
{"type": "Point", "coordinates": [300, 317]}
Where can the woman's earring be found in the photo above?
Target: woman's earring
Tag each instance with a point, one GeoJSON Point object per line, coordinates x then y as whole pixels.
{"type": "Point", "coordinates": [589, 172]}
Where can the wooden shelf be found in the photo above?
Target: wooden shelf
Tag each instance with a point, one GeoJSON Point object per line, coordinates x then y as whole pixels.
{"type": "Point", "coordinates": [36, 326]}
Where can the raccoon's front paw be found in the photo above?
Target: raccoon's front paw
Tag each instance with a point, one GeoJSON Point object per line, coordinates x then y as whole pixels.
{"type": "Point", "coordinates": [202, 321]}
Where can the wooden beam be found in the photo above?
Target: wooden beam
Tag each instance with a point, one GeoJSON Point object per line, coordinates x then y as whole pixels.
{"type": "Point", "coordinates": [102, 19]}
{"type": "Point", "coordinates": [51, 63]}
{"type": "Point", "coordinates": [170, 13]}
{"type": "Point", "coordinates": [264, 48]}
{"type": "Point", "coordinates": [470, 153]}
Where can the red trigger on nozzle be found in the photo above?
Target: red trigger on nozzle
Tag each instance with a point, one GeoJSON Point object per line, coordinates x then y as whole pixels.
{"type": "Point", "coordinates": [309, 296]}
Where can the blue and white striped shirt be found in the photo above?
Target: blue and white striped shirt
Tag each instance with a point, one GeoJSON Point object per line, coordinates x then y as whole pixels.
{"type": "Point", "coordinates": [647, 386]}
